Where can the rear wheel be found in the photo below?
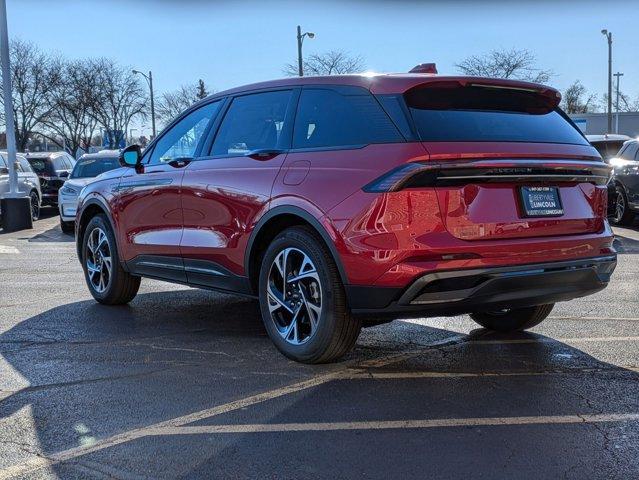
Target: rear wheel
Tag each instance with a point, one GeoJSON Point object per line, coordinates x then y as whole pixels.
{"type": "Point", "coordinates": [35, 205]}
{"type": "Point", "coordinates": [302, 299]}
{"type": "Point", "coordinates": [107, 281]}
{"type": "Point", "coordinates": [623, 215]}
{"type": "Point", "coordinates": [513, 319]}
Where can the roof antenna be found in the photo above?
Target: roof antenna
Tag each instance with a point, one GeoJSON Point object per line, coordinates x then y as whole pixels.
{"type": "Point", "coordinates": [425, 68]}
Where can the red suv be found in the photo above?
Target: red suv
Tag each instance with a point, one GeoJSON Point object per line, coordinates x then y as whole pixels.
{"type": "Point", "coordinates": [346, 201]}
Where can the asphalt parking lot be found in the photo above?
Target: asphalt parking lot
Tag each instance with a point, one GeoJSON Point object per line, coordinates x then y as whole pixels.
{"type": "Point", "coordinates": [185, 383]}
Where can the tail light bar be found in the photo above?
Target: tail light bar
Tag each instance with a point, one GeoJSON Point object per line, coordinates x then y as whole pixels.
{"type": "Point", "coordinates": [426, 174]}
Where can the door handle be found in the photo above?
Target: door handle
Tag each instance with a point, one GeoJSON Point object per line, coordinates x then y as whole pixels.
{"type": "Point", "coordinates": [180, 162]}
{"type": "Point", "coordinates": [264, 153]}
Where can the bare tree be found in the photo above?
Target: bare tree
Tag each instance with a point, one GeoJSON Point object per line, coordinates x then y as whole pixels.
{"type": "Point", "coordinates": [576, 99]}
{"type": "Point", "coordinates": [515, 64]}
{"type": "Point", "coordinates": [334, 62]}
{"type": "Point", "coordinates": [175, 102]}
{"type": "Point", "coordinates": [72, 120]}
{"type": "Point", "coordinates": [118, 98]}
{"type": "Point", "coordinates": [34, 75]}
{"type": "Point", "coordinates": [626, 103]}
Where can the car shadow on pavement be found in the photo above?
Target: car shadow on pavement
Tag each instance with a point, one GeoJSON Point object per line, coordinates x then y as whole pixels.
{"type": "Point", "coordinates": [82, 371]}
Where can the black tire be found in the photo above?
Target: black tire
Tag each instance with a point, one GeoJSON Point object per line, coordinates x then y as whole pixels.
{"type": "Point", "coordinates": [121, 287]}
{"type": "Point", "coordinates": [35, 205]}
{"type": "Point", "coordinates": [623, 215]}
{"type": "Point", "coordinates": [514, 319]}
{"type": "Point", "coordinates": [67, 227]}
{"type": "Point", "coordinates": [336, 330]}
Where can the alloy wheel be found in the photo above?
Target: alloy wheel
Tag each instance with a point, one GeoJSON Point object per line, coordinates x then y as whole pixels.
{"type": "Point", "coordinates": [35, 206]}
{"type": "Point", "coordinates": [620, 207]}
{"type": "Point", "coordinates": [98, 260]}
{"type": "Point", "coordinates": [294, 294]}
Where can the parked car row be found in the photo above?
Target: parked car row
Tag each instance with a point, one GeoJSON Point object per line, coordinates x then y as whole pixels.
{"type": "Point", "coordinates": [55, 179]}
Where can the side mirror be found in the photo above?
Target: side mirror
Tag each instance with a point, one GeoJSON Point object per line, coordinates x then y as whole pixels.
{"type": "Point", "coordinates": [131, 156]}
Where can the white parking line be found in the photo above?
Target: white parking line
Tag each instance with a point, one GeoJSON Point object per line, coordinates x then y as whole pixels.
{"type": "Point", "coordinates": [553, 340]}
{"type": "Point", "coordinates": [408, 375]}
{"type": "Point", "coordinates": [400, 424]}
{"type": "Point", "coordinates": [9, 250]}
{"type": "Point", "coordinates": [177, 424]}
{"type": "Point", "coordinates": [37, 463]}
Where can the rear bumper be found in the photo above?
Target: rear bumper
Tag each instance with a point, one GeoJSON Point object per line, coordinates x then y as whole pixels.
{"type": "Point", "coordinates": [465, 291]}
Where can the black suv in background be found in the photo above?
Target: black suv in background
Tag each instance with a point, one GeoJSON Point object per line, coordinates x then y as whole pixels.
{"type": "Point", "coordinates": [52, 168]}
{"type": "Point", "coordinates": [626, 181]}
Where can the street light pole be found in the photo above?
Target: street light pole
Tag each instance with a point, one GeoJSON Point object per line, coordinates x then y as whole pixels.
{"type": "Point", "coordinates": [149, 81]}
{"type": "Point", "coordinates": [16, 206]}
{"type": "Point", "coordinates": [300, 40]}
{"type": "Point", "coordinates": [608, 36]}
{"type": "Point", "coordinates": [8, 105]}
{"type": "Point", "coordinates": [617, 75]}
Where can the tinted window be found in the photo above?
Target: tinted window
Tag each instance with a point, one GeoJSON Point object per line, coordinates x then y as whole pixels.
{"type": "Point", "coordinates": [42, 166]}
{"type": "Point", "coordinates": [92, 167]}
{"type": "Point", "coordinates": [182, 139]}
{"type": "Point", "coordinates": [59, 163]}
{"type": "Point", "coordinates": [3, 162]}
{"type": "Point", "coordinates": [630, 152]}
{"type": "Point", "coordinates": [329, 118]}
{"type": "Point", "coordinates": [252, 122]}
{"type": "Point", "coordinates": [476, 114]}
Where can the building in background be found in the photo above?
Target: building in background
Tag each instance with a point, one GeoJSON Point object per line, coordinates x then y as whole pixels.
{"type": "Point", "coordinates": [624, 123]}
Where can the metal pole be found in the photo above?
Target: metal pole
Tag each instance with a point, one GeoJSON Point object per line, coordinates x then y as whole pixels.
{"type": "Point", "coordinates": [300, 65]}
{"type": "Point", "coordinates": [8, 105]}
{"type": "Point", "coordinates": [152, 103]}
{"type": "Point", "coordinates": [609, 81]}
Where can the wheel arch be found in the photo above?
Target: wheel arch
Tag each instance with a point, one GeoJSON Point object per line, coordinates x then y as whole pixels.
{"type": "Point", "coordinates": [92, 207]}
{"type": "Point", "coordinates": [273, 222]}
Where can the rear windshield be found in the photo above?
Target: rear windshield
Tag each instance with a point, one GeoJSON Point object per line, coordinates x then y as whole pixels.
{"type": "Point", "coordinates": [478, 114]}
{"type": "Point", "coordinates": [42, 166]}
{"type": "Point", "coordinates": [608, 149]}
{"type": "Point", "coordinates": [92, 167]}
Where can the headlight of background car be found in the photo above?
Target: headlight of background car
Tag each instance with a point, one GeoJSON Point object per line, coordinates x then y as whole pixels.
{"type": "Point", "coordinates": [67, 190]}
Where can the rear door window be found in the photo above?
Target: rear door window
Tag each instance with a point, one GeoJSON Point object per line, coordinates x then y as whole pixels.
{"type": "Point", "coordinates": [253, 122]}
{"type": "Point", "coordinates": [341, 117]}
{"type": "Point", "coordinates": [479, 114]}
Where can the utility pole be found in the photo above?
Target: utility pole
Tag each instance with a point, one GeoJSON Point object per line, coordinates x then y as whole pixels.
{"type": "Point", "coordinates": [608, 36]}
{"type": "Point", "coordinates": [16, 206]}
{"type": "Point", "coordinates": [617, 75]}
{"type": "Point", "coordinates": [300, 40]}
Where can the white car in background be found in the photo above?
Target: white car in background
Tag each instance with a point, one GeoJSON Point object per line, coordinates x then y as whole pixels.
{"type": "Point", "coordinates": [86, 169]}
{"type": "Point", "coordinates": [28, 181]}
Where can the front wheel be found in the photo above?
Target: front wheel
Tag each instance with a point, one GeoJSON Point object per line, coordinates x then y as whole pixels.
{"type": "Point", "coordinates": [302, 299]}
{"type": "Point", "coordinates": [107, 281]}
{"type": "Point", "coordinates": [67, 227]}
{"type": "Point", "coordinates": [513, 319]}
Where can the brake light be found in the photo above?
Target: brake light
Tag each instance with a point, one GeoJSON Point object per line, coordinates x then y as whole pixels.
{"type": "Point", "coordinates": [424, 68]}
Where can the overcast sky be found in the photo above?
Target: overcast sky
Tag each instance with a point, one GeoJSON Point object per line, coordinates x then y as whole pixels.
{"type": "Point", "coordinates": [233, 43]}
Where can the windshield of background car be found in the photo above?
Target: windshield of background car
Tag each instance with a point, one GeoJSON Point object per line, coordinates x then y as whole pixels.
{"type": "Point", "coordinates": [92, 167]}
{"type": "Point", "coordinates": [480, 114]}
